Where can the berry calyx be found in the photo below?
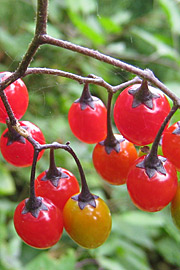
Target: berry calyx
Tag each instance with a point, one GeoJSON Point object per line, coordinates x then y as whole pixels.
{"type": "Point", "coordinates": [40, 227]}
{"type": "Point", "coordinates": [143, 95]}
{"type": "Point", "coordinates": [114, 166]}
{"type": "Point", "coordinates": [138, 119]}
{"type": "Point", "coordinates": [87, 118]}
{"type": "Point", "coordinates": [155, 192]}
{"type": "Point", "coordinates": [56, 184]}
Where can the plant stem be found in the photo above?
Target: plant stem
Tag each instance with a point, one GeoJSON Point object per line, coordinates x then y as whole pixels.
{"type": "Point", "coordinates": [85, 197]}
{"type": "Point", "coordinates": [41, 17]}
{"type": "Point", "coordinates": [52, 171]}
{"type": "Point", "coordinates": [85, 192]}
{"type": "Point", "coordinates": [86, 95]}
{"type": "Point", "coordinates": [110, 140]}
{"type": "Point", "coordinates": [146, 74]}
{"type": "Point", "coordinates": [67, 148]}
{"type": "Point", "coordinates": [33, 202]}
{"type": "Point", "coordinates": [41, 24]}
{"type": "Point", "coordinates": [9, 111]}
{"type": "Point", "coordinates": [153, 152]}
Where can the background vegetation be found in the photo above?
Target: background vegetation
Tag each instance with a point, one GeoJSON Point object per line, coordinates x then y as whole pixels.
{"type": "Point", "coordinates": [143, 33]}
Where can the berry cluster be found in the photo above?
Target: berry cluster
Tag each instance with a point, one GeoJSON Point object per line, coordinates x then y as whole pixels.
{"type": "Point", "coordinates": [55, 200]}
{"type": "Point", "coordinates": [14, 147]}
{"type": "Point", "coordinates": [141, 114]}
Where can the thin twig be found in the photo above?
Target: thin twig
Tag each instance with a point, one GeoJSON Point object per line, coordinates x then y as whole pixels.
{"type": "Point", "coordinates": [146, 74]}
{"type": "Point", "coordinates": [93, 79]}
{"type": "Point", "coordinates": [82, 80]}
{"type": "Point", "coordinates": [42, 38]}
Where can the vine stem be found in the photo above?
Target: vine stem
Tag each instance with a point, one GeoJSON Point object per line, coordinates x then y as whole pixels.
{"type": "Point", "coordinates": [146, 74]}
{"type": "Point", "coordinates": [84, 187]}
{"type": "Point", "coordinates": [41, 37]}
{"type": "Point", "coordinates": [110, 134]}
{"type": "Point", "coordinates": [85, 195]}
{"type": "Point", "coordinates": [153, 152]}
{"type": "Point", "coordinates": [68, 148]}
{"type": "Point", "coordinates": [110, 142]}
{"type": "Point", "coordinates": [91, 79]}
{"type": "Point", "coordinates": [41, 25]}
{"type": "Point", "coordinates": [9, 111]}
{"type": "Point", "coordinates": [33, 202]}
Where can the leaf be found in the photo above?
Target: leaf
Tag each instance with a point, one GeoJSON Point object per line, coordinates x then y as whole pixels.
{"type": "Point", "coordinates": [86, 7]}
{"type": "Point", "coordinates": [67, 261]}
{"type": "Point", "coordinates": [10, 43]}
{"type": "Point", "coordinates": [7, 186]}
{"type": "Point", "coordinates": [160, 47]}
{"type": "Point", "coordinates": [126, 255]}
{"type": "Point", "coordinates": [169, 249]}
{"type": "Point", "coordinates": [110, 264]}
{"type": "Point", "coordinates": [9, 254]}
{"type": "Point", "coordinates": [88, 29]}
{"type": "Point", "coordinates": [131, 232]}
{"type": "Point", "coordinates": [143, 219]}
{"type": "Point", "coordinates": [45, 262]}
{"type": "Point", "coordinates": [41, 262]}
{"type": "Point", "coordinates": [118, 48]}
{"type": "Point", "coordinates": [173, 86]}
{"type": "Point", "coordinates": [171, 8]}
{"type": "Point", "coordinates": [109, 25]}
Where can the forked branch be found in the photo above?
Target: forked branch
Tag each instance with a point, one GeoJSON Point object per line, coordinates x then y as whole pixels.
{"type": "Point", "coordinates": [41, 37]}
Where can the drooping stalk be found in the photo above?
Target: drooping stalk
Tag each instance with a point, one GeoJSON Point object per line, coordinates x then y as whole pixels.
{"type": "Point", "coordinates": [153, 163]}
{"type": "Point", "coordinates": [53, 174]}
{"type": "Point", "coordinates": [152, 157]}
{"type": "Point", "coordinates": [33, 204]}
{"type": "Point", "coordinates": [85, 197]}
{"type": "Point", "coordinates": [110, 143]}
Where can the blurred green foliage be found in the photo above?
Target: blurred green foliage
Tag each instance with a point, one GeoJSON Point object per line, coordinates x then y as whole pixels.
{"type": "Point", "coordinates": [143, 33]}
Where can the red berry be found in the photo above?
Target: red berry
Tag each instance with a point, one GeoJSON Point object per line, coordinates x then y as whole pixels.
{"type": "Point", "coordinates": [42, 231]}
{"type": "Point", "coordinates": [171, 144]}
{"type": "Point", "coordinates": [114, 166]}
{"type": "Point", "coordinates": [88, 125]}
{"type": "Point", "coordinates": [140, 122]}
{"type": "Point", "coordinates": [152, 194]}
{"type": "Point", "coordinates": [17, 96]}
{"type": "Point", "coordinates": [19, 152]}
{"type": "Point", "coordinates": [88, 118]}
{"type": "Point", "coordinates": [59, 189]}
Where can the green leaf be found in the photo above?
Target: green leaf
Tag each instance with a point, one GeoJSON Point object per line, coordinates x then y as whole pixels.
{"type": "Point", "coordinates": [41, 262]}
{"type": "Point", "coordinates": [7, 186]}
{"type": "Point", "coordinates": [86, 7]}
{"type": "Point", "coordinates": [126, 255]}
{"type": "Point", "coordinates": [173, 86]}
{"type": "Point", "coordinates": [172, 11]}
{"type": "Point", "coordinates": [110, 264]}
{"type": "Point", "coordinates": [131, 233]}
{"type": "Point", "coordinates": [144, 219]}
{"type": "Point", "coordinates": [109, 25]}
{"type": "Point", "coordinates": [160, 47]}
{"type": "Point", "coordinates": [88, 29]}
{"type": "Point", "coordinates": [67, 261]}
{"type": "Point", "coordinates": [7, 206]}
{"type": "Point", "coordinates": [10, 43]}
{"type": "Point", "coordinates": [45, 262]}
{"type": "Point", "coordinates": [169, 249]}
{"type": "Point", "coordinates": [9, 254]}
